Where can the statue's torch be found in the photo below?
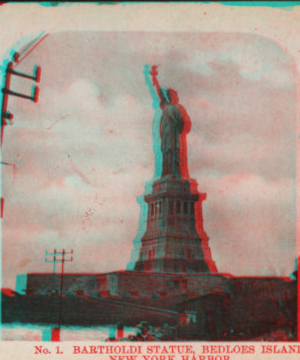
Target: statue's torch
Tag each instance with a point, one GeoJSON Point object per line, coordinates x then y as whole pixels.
{"type": "Point", "coordinates": [154, 74]}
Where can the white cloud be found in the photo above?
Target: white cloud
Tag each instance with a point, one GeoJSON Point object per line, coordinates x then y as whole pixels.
{"type": "Point", "coordinates": [258, 59]}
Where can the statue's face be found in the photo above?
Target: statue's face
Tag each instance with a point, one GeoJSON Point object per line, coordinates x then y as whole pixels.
{"type": "Point", "coordinates": [173, 96]}
{"type": "Point", "coordinates": [162, 105]}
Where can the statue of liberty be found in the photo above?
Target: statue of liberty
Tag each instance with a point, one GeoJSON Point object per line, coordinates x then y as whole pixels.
{"type": "Point", "coordinates": [171, 126]}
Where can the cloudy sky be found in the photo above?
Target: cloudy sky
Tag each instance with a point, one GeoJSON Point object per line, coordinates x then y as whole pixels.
{"type": "Point", "coordinates": [85, 152]}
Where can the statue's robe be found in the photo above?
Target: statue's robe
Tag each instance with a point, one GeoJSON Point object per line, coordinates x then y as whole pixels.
{"type": "Point", "coordinates": [171, 126]}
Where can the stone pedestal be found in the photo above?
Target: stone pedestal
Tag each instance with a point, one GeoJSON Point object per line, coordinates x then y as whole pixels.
{"type": "Point", "coordinates": [171, 243]}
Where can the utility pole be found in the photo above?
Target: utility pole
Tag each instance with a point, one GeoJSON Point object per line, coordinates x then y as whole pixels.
{"type": "Point", "coordinates": [5, 114]}
{"type": "Point", "coordinates": [59, 256]}
{"type": "Point", "coordinates": [53, 277]}
{"type": "Point", "coordinates": [62, 260]}
{"type": "Point", "coordinates": [9, 71]}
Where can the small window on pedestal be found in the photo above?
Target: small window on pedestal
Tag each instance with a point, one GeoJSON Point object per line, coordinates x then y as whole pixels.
{"type": "Point", "coordinates": [152, 209]}
{"type": "Point", "coordinates": [181, 254]}
{"type": "Point", "coordinates": [178, 207]}
{"type": "Point", "coordinates": [185, 208]}
{"type": "Point", "coordinates": [192, 209]}
{"type": "Point", "coordinates": [171, 207]}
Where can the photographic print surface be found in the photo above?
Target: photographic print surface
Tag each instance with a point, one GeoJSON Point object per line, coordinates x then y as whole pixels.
{"type": "Point", "coordinates": [149, 188]}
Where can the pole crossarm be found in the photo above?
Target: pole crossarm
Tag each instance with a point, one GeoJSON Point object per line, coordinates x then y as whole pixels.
{"type": "Point", "coordinates": [17, 73]}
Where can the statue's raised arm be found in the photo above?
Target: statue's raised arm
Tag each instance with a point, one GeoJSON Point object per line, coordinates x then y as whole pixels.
{"type": "Point", "coordinates": [160, 92]}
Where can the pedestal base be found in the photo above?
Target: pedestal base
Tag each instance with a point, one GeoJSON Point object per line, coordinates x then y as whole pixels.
{"type": "Point", "coordinates": [171, 243]}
